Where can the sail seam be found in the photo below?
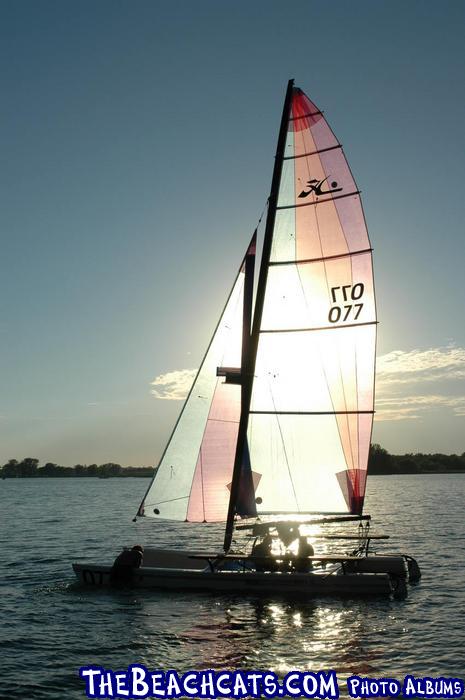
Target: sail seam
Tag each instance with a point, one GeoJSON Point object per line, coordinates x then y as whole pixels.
{"type": "Point", "coordinates": [319, 328]}
{"type": "Point", "coordinates": [323, 259]}
{"type": "Point", "coordinates": [319, 201]}
{"type": "Point", "coordinates": [313, 153]}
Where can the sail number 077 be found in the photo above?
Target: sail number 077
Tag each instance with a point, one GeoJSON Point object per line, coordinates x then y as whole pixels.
{"type": "Point", "coordinates": [347, 292]}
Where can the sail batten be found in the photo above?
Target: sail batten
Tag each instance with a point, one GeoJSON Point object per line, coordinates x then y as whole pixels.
{"type": "Point", "coordinates": [310, 413]}
{"type": "Point", "coordinates": [303, 116]}
{"type": "Point", "coordinates": [328, 257]}
{"type": "Point", "coordinates": [320, 200]}
{"type": "Point", "coordinates": [317, 328]}
{"type": "Point", "coordinates": [313, 153]}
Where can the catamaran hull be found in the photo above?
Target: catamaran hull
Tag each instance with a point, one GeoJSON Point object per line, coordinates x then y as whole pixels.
{"type": "Point", "coordinates": [309, 584]}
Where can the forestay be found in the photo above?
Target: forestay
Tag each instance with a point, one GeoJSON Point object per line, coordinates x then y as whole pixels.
{"type": "Point", "coordinates": [312, 400]}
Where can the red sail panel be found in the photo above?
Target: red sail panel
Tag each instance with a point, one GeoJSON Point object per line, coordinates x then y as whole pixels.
{"type": "Point", "coordinates": [209, 496]}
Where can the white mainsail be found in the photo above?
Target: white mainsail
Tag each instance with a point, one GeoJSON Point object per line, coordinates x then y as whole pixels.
{"type": "Point", "coordinates": [312, 400]}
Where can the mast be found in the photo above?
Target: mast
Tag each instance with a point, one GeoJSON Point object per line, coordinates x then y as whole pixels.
{"type": "Point", "coordinates": [249, 355]}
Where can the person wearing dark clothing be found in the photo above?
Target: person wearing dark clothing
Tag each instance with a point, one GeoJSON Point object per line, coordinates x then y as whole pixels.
{"type": "Point", "coordinates": [129, 559]}
{"type": "Point", "coordinates": [305, 550]}
{"type": "Point", "coordinates": [262, 550]}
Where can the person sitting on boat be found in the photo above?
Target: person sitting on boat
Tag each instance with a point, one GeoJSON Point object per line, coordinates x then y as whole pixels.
{"type": "Point", "coordinates": [302, 563]}
{"type": "Point", "coordinates": [129, 559]}
{"type": "Point", "coordinates": [262, 550]}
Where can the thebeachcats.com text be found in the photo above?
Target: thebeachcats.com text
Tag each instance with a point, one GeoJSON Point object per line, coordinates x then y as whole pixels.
{"type": "Point", "coordinates": [139, 682]}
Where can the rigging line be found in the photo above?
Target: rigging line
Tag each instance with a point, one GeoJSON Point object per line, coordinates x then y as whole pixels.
{"type": "Point", "coordinates": [283, 444]}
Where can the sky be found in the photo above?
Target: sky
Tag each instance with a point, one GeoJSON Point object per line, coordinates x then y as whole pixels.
{"type": "Point", "coordinates": [137, 142]}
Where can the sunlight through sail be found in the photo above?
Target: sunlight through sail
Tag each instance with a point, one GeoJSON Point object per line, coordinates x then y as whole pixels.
{"type": "Point", "coordinates": [311, 409]}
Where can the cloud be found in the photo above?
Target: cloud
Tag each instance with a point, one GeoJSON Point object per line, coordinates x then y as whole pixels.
{"type": "Point", "coordinates": [403, 375]}
{"type": "Point", "coordinates": [402, 367]}
{"type": "Point", "coordinates": [173, 386]}
{"type": "Point", "coordinates": [408, 407]}
{"type": "Point", "coordinates": [400, 388]}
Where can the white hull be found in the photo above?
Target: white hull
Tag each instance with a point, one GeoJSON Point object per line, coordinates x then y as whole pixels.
{"type": "Point", "coordinates": [310, 584]}
{"type": "Point", "coordinates": [176, 570]}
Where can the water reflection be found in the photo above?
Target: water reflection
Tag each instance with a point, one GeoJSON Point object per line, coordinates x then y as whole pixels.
{"type": "Point", "coordinates": [280, 635]}
{"type": "Point", "coordinates": [58, 629]}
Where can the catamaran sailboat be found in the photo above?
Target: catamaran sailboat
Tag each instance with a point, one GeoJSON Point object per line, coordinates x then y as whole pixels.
{"type": "Point", "coordinates": [274, 436]}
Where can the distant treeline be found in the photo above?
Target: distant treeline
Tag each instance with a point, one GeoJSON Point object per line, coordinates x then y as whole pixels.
{"type": "Point", "coordinates": [29, 467]}
{"type": "Point", "coordinates": [381, 462]}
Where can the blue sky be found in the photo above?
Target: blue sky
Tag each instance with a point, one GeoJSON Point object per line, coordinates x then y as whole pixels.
{"type": "Point", "coordinates": [137, 146]}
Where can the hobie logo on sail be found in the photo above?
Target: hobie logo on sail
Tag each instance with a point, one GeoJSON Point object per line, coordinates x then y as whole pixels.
{"type": "Point", "coordinates": [316, 185]}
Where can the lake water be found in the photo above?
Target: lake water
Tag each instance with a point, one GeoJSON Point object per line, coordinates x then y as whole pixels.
{"type": "Point", "coordinates": [50, 626]}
